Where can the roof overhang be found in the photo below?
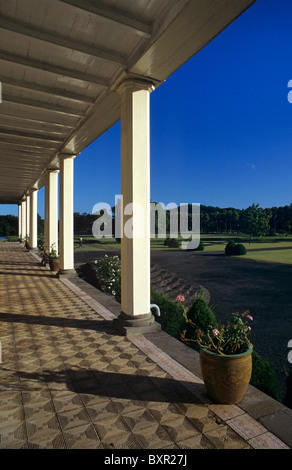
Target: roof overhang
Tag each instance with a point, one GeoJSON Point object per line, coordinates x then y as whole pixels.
{"type": "Point", "coordinates": [60, 61]}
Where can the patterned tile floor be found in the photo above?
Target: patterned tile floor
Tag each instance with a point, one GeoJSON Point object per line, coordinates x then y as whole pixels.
{"type": "Point", "coordinates": [69, 381]}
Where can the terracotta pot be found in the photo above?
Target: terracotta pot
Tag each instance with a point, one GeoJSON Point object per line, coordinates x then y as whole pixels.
{"type": "Point", "coordinates": [54, 264]}
{"type": "Point", "coordinates": [226, 377]}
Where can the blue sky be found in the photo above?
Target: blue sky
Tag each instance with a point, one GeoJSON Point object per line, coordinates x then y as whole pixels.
{"type": "Point", "coordinates": [221, 126]}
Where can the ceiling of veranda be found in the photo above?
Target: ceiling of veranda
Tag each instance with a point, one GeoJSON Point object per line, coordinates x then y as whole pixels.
{"type": "Point", "coordinates": [60, 61]}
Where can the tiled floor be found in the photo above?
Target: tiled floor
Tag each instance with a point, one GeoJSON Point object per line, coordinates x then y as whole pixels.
{"type": "Point", "coordinates": [68, 380]}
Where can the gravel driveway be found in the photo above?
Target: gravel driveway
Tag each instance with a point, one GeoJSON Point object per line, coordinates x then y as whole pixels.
{"type": "Point", "coordinates": [236, 284]}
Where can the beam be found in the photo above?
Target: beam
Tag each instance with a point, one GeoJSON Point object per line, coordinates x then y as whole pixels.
{"type": "Point", "coordinates": [114, 15]}
{"type": "Point", "coordinates": [45, 106]}
{"type": "Point", "coordinates": [20, 177]}
{"type": "Point", "coordinates": [21, 145]}
{"type": "Point", "coordinates": [47, 90]}
{"type": "Point", "coordinates": [17, 127]}
{"type": "Point", "coordinates": [14, 150]}
{"type": "Point", "coordinates": [27, 153]}
{"type": "Point", "coordinates": [33, 124]}
{"type": "Point", "coordinates": [61, 41]}
{"type": "Point", "coordinates": [26, 135]}
{"type": "Point", "coordinates": [21, 166]}
{"type": "Point", "coordinates": [56, 120]}
{"type": "Point", "coordinates": [56, 69]}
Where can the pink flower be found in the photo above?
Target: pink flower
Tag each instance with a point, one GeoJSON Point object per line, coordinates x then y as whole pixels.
{"type": "Point", "coordinates": [180, 298]}
{"type": "Point", "coordinates": [215, 332]}
{"type": "Point", "coordinates": [249, 328]}
{"type": "Point", "coordinates": [249, 317]}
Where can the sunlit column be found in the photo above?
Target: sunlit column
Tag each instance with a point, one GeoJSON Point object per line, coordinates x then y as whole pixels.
{"type": "Point", "coordinates": [51, 209]}
{"type": "Point", "coordinates": [27, 216]}
{"type": "Point", "coordinates": [33, 233]}
{"type": "Point", "coordinates": [67, 215]}
{"type": "Point", "coordinates": [23, 220]}
{"type": "Point", "coordinates": [135, 189]}
{"type": "Point", "coordinates": [19, 221]}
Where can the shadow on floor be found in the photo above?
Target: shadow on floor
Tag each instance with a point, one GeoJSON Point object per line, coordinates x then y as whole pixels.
{"type": "Point", "coordinates": [98, 325]}
{"type": "Point", "coordinates": [21, 273]}
{"type": "Point", "coordinates": [114, 385]}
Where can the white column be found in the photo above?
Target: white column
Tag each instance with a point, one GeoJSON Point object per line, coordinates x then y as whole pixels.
{"type": "Point", "coordinates": [135, 189]}
{"type": "Point", "coordinates": [27, 217]}
{"type": "Point", "coordinates": [23, 220]}
{"type": "Point", "coordinates": [33, 232]}
{"type": "Point", "coordinates": [19, 221]}
{"type": "Point", "coordinates": [51, 209]}
{"type": "Point", "coordinates": [67, 215]}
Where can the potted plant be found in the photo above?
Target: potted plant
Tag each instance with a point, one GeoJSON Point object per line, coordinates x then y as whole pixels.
{"type": "Point", "coordinates": [225, 357]}
{"type": "Point", "coordinates": [26, 242]}
{"type": "Point", "coordinates": [54, 259]}
{"type": "Point", "coordinates": [44, 254]}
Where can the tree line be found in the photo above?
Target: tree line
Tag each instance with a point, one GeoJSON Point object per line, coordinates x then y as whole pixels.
{"type": "Point", "coordinates": [9, 225]}
{"type": "Point", "coordinates": [254, 221]}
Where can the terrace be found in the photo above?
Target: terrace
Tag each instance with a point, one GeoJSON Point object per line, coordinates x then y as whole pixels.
{"type": "Point", "coordinates": [69, 71]}
{"type": "Point", "coordinates": [69, 380]}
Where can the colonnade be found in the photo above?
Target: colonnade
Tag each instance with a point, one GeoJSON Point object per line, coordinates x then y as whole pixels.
{"type": "Point", "coordinates": [59, 231]}
{"type": "Point", "coordinates": [136, 316]}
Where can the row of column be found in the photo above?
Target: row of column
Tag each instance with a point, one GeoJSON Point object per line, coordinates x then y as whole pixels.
{"type": "Point", "coordinates": [27, 219]}
{"type": "Point", "coordinates": [59, 233]}
{"type": "Point", "coordinates": [135, 187]}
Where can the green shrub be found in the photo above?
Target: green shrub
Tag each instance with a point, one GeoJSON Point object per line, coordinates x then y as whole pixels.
{"type": "Point", "coordinates": [171, 243]}
{"type": "Point", "coordinates": [171, 315]}
{"type": "Point", "coordinates": [200, 247]}
{"type": "Point", "coordinates": [12, 238]}
{"type": "Point", "coordinates": [235, 249]}
{"type": "Point", "coordinates": [288, 397]}
{"type": "Point", "coordinates": [87, 272]}
{"type": "Point", "coordinates": [108, 272]}
{"type": "Point", "coordinates": [264, 376]}
{"type": "Point", "coordinates": [202, 315]}
{"type": "Point", "coordinates": [230, 247]}
{"type": "Point", "coordinates": [239, 249]}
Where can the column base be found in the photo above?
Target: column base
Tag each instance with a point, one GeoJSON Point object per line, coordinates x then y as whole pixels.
{"type": "Point", "coordinates": [138, 324]}
{"type": "Point", "coordinates": [33, 250]}
{"type": "Point", "coordinates": [67, 273]}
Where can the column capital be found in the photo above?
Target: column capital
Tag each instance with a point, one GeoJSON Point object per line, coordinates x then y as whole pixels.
{"type": "Point", "coordinates": [63, 156]}
{"type": "Point", "coordinates": [134, 84]}
{"type": "Point", "coordinates": [51, 170]}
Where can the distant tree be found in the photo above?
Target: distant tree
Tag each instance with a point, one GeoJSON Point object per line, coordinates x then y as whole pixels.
{"type": "Point", "coordinates": [255, 221]}
{"type": "Point", "coordinates": [83, 223]}
{"type": "Point", "coordinates": [40, 224]}
{"type": "Point", "coordinates": [8, 225]}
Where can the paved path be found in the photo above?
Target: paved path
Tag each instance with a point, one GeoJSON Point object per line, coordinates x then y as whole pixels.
{"type": "Point", "coordinates": [68, 380]}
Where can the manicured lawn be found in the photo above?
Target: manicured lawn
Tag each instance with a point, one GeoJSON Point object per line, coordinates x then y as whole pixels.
{"type": "Point", "coordinates": [220, 246]}
{"type": "Point", "coordinates": [267, 249]}
{"type": "Point", "coordinates": [271, 256]}
{"type": "Point", "coordinates": [274, 247]}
